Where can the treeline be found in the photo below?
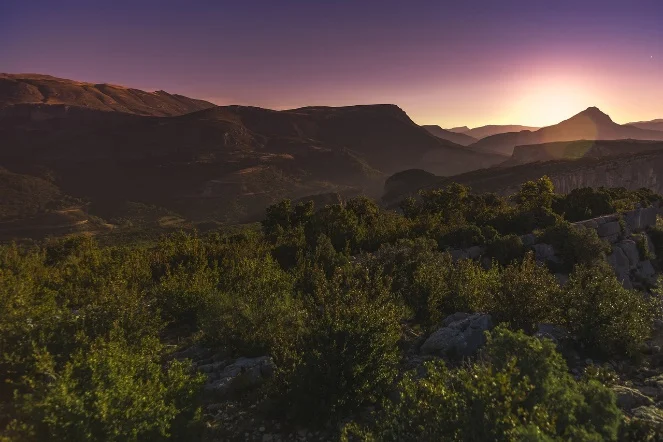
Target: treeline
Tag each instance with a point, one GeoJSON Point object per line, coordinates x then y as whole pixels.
{"type": "Point", "coordinates": [333, 296]}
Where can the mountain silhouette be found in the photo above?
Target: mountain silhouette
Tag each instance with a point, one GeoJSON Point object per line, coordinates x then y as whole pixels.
{"type": "Point", "coordinates": [649, 125]}
{"type": "Point", "coordinates": [590, 124]}
{"type": "Point", "coordinates": [493, 129]}
{"type": "Point", "coordinates": [458, 138]}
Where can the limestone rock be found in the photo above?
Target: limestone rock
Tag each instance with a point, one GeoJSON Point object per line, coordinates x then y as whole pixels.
{"type": "Point", "coordinates": [474, 252]}
{"type": "Point", "coordinates": [553, 332]}
{"type": "Point", "coordinates": [244, 372]}
{"type": "Point", "coordinates": [609, 229]}
{"type": "Point", "coordinates": [646, 272]}
{"type": "Point", "coordinates": [630, 398]}
{"type": "Point", "coordinates": [460, 335]}
{"type": "Point", "coordinates": [649, 413]}
{"type": "Point", "coordinates": [543, 252]}
{"type": "Point", "coordinates": [620, 263]}
{"type": "Point", "coordinates": [630, 249]}
{"type": "Point", "coordinates": [528, 240]}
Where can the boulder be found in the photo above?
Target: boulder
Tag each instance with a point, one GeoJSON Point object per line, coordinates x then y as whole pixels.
{"type": "Point", "coordinates": [630, 249]}
{"type": "Point", "coordinates": [474, 252]}
{"type": "Point", "coordinates": [461, 335]}
{"type": "Point", "coordinates": [630, 398]}
{"type": "Point", "coordinates": [646, 273]}
{"type": "Point", "coordinates": [620, 263]}
{"type": "Point", "coordinates": [543, 252]}
{"type": "Point", "coordinates": [609, 229]}
{"type": "Point", "coordinates": [529, 239]}
{"type": "Point", "coordinates": [650, 246]}
{"type": "Point", "coordinates": [242, 373]}
{"type": "Point", "coordinates": [553, 332]}
{"type": "Point", "coordinates": [589, 224]}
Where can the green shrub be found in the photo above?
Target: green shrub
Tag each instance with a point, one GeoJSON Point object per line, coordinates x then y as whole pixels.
{"type": "Point", "coordinates": [575, 245]}
{"type": "Point", "coordinates": [442, 287]}
{"type": "Point", "coordinates": [462, 237]}
{"type": "Point", "coordinates": [107, 392]}
{"type": "Point", "coordinates": [522, 392]}
{"type": "Point", "coordinates": [584, 203]}
{"type": "Point", "coordinates": [506, 249]}
{"type": "Point", "coordinates": [526, 295]}
{"type": "Point", "coordinates": [254, 311]}
{"type": "Point", "coordinates": [604, 316]}
{"type": "Point", "coordinates": [349, 353]}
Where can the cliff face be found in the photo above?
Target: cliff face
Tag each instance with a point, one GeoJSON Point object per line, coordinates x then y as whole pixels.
{"type": "Point", "coordinates": [574, 150]}
{"type": "Point", "coordinates": [629, 171]}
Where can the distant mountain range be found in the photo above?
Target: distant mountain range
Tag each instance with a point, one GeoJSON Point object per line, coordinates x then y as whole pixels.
{"type": "Point", "coordinates": [649, 125]}
{"type": "Point", "coordinates": [454, 137]}
{"type": "Point", "coordinates": [110, 145]}
{"type": "Point", "coordinates": [487, 131]}
{"type": "Point", "coordinates": [591, 124]}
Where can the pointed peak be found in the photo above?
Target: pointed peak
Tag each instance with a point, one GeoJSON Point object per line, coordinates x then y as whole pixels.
{"type": "Point", "coordinates": [595, 114]}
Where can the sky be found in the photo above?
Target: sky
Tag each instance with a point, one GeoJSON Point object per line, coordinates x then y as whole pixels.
{"type": "Point", "coordinates": [451, 63]}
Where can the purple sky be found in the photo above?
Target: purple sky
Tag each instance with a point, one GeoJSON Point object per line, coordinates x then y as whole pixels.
{"type": "Point", "coordinates": [451, 63]}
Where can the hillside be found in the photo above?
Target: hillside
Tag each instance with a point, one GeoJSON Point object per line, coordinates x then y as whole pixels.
{"type": "Point", "coordinates": [458, 138]}
{"type": "Point", "coordinates": [649, 125]}
{"type": "Point", "coordinates": [18, 90]}
{"type": "Point", "coordinates": [489, 130]}
{"type": "Point", "coordinates": [223, 163]}
{"type": "Point", "coordinates": [591, 124]}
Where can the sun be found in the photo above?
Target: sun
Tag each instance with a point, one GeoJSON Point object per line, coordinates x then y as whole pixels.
{"type": "Point", "coordinates": [549, 102]}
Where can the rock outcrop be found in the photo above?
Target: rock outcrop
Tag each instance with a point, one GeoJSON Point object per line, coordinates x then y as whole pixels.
{"type": "Point", "coordinates": [460, 335]}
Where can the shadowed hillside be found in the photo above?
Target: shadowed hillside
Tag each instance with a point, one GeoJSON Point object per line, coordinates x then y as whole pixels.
{"type": "Point", "coordinates": [17, 90]}
{"type": "Point", "coordinates": [223, 163]}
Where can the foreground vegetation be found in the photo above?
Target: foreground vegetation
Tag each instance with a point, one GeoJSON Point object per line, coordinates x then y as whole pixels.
{"type": "Point", "coordinates": [338, 298]}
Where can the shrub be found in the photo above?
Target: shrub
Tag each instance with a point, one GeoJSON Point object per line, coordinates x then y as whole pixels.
{"type": "Point", "coordinates": [584, 203]}
{"type": "Point", "coordinates": [526, 295]}
{"type": "Point", "coordinates": [575, 244]}
{"type": "Point", "coordinates": [442, 287]}
{"type": "Point", "coordinates": [107, 392]}
{"type": "Point", "coordinates": [349, 353]}
{"type": "Point", "coordinates": [604, 316]}
{"type": "Point", "coordinates": [522, 392]}
{"type": "Point", "coordinates": [462, 237]}
{"type": "Point", "coordinates": [506, 249]}
{"type": "Point", "coordinates": [254, 311]}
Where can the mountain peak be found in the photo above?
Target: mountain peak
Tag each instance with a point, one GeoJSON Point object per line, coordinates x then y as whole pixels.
{"type": "Point", "coordinates": [595, 114]}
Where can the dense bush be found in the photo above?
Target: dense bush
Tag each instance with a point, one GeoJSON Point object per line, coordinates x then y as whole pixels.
{"type": "Point", "coordinates": [335, 296]}
{"type": "Point", "coordinates": [506, 249]}
{"type": "Point", "coordinates": [607, 318]}
{"type": "Point", "coordinates": [522, 392]}
{"type": "Point", "coordinates": [575, 245]}
{"type": "Point", "coordinates": [349, 351]}
{"type": "Point", "coordinates": [254, 311]}
{"type": "Point", "coordinates": [526, 295]}
{"type": "Point", "coordinates": [109, 391]}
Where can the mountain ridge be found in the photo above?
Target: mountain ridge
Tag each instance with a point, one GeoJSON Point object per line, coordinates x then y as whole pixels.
{"type": "Point", "coordinates": [590, 124]}
{"type": "Point", "coordinates": [45, 90]}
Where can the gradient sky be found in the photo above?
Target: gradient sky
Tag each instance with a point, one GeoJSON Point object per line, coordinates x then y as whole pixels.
{"type": "Point", "coordinates": [468, 62]}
